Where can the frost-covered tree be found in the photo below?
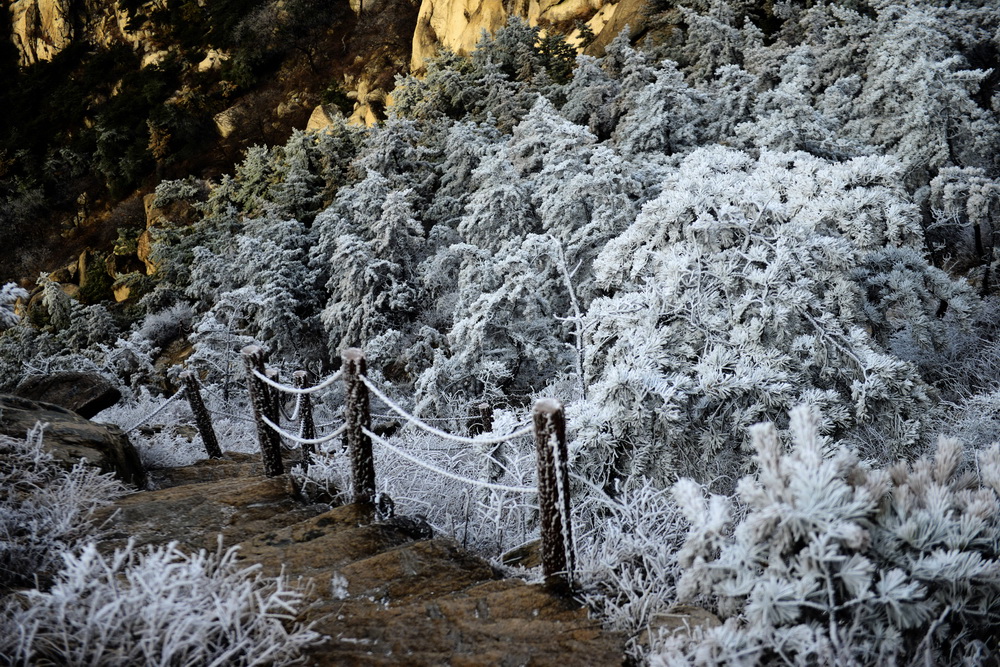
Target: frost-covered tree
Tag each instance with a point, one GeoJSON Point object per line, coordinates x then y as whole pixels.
{"type": "Point", "coordinates": [748, 286]}
{"type": "Point", "coordinates": [372, 287]}
{"type": "Point", "coordinates": [918, 100]}
{"type": "Point", "coordinates": [965, 212]}
{"type": "Point", "coordinates": [261, 285]}
{"type": "Point", "coordinates": [505, 338]}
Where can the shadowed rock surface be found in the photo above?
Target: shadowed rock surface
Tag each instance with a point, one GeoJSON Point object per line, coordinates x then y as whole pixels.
{"type": "Point", "coordinates": [69, 437]}
{"type": "Point", "coordinates": [86, 394]}
{"type": "Point", "coordinates": [381, 591]}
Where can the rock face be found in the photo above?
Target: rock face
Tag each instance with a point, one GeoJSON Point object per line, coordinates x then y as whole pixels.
{"type": "Point", "coordinates": [457, 25]}
{"type": "Point", "coordinates": [453, 24]}
{"type": "Point", "coordinates": [41, 28]}
{"type": "Point", "coordinates": [69, 437]}
{"type": "Point", "coordinates": [86, 394]}
{"type": "Point", "coordinates": [385, 594]}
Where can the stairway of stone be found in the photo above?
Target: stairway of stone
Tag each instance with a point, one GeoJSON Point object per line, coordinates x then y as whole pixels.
{"type": "Point", "coordinates": [382, 591]}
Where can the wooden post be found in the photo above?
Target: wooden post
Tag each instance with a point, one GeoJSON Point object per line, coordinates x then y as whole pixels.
{"type": "Point", "coordinates": [201, 416]}
{"type": "Point", "coordinates": [357, 414]}
{"type": "Point", "coordinates": [553, 492]}
{"type": "Point", "coordinates": [270, 443]}
{"type": "Point", "coordinates": [307, 427]}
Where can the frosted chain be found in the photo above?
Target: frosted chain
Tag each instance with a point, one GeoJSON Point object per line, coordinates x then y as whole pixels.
{"type": "Point", "coordinates": [527, 430]}
{"type": "Point", "coordinates": [303, 441]}
{"type": "Point", "coordinates": [295, 390]}
{"type": "Point", "coordinates": [564, 518]}
{"type": "Point", "coordinates": [154, 412]}
{"type": "Point", "coordinates": [445, 473]}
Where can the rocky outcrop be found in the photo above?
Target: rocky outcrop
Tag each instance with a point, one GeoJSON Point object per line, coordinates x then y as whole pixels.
{"type": "Point", "coordinates": [69, 437]}
{"type": "Point", "coordinates": [458, 25]}
{"type": "Point", "coordinates": [176, 214]}
{"type": "Point", "coordinates": [320, 119]}
{"type": "Point", "coordinates": [384, 592]}
{"type": "Point", "coordinates": [41, 28]}
{"type": "Point", "coordinates": [629, 14]}
{"type": "Point", "coordinates": [86, 394]}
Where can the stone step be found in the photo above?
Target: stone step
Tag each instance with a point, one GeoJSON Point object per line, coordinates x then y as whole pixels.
{"type": "Point", "coordinates": [194, 515]}
{"type": "Point", "coordinates": [232, 465]}
{"type": "Point", "coordinates": [519, 628]}
{"type": "Point", "coordinates": [385, 592]}
{"type": "Point", "coordinates": [324, 543]}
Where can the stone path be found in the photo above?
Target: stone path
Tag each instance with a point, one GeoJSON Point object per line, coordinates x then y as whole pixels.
{"type": "Point", "coordinates": [383, 592]}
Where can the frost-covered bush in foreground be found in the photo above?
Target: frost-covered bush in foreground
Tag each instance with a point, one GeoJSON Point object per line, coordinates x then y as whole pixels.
{"type": "Point", "coordinates": [627, 557]}
{"type": "Point", "coordinates": [156, 607]}
{"type": "Point", "coordinates": [837, 563]}
{"type": "Point", "coordinates": [44, 508]}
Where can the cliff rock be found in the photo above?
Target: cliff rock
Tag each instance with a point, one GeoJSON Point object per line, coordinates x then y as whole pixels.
{"type": "Point", "coordinates": [458, 25]}
{"type": "Point", "coordinates": [41, 28]}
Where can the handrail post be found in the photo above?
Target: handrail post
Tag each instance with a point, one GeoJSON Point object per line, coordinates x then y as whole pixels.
{"type": "Point", "coordinates": [307, 426]}
{"type": "Point", "coordinates": [553, 492]}
{"type": "Point", "coordinates": [357, 415]}
{"type": "Point", "coordinates": [260, 399]}
{"type": "Point", "coordinates": [201, 417]}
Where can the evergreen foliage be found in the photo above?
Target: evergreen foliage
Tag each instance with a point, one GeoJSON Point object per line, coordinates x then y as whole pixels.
{"type": "Point", "coordinates": [835, 562]}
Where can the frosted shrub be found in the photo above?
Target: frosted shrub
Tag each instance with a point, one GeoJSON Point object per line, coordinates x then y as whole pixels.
{"type": "Point", "coordinates": [626, 556]}
{"type": "Point", "coordinates": [838, 563]}
{"type": "Point", "coordinates": [175, 444]}
{"type": "Point", "coordinates": [156, 607]}
{"type": "Point", "coordinates": [44, 508]}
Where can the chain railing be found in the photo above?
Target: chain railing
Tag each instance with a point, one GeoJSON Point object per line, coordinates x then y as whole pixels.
{"type": "Point", "coordinates": [548, 427]}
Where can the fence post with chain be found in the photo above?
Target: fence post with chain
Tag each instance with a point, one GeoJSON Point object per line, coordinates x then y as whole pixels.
{"type": "Point", "coordinates": [261, 400]}
{"type": "Point", "coordinates": [201, 417]}
{"type": "Point", "coordinates": [553, 492]}
{"type": "Point", "coordinates": [307, 425]}
{"type": "Point", "coordinates": [357, 414]}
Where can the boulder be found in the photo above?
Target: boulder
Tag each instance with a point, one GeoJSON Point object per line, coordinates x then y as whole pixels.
{"type": "Point", "coordinates": [213, 60]}
{"type": "Point", "coordinates": [69, 437]}
{"type": "Point", "coordinates": [86, 394]}
{"type": "Point", "coordinates": [319, 120]}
